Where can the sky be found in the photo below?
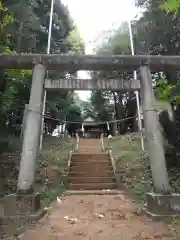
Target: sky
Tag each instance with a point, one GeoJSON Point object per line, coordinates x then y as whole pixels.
{"type": "Point", "coordinates": [94, 19]}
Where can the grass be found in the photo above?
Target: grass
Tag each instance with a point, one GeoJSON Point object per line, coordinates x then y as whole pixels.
{"type": "Point", "coordinates": [51, 166]}
{"type": "Point", "coordinates": [126, 147]}
{"type": "Point", "coordinates": [176, 227]}
{"type": "Point", "coordinates": [132, 167]}
{"type": "Point", "coordinates": [53, 163]}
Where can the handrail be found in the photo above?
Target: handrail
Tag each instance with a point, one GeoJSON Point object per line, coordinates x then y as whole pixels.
{"type": "Point", "coordinates": [69, 160]}
{"type": "Point", "coordinates": [65, 176]}
{"type": "Point", "coordinates": [102, 142]}
{"type": "Point", "coordinates": [77, 141]}
{"type": "Point", "coordinates": [112, 161]}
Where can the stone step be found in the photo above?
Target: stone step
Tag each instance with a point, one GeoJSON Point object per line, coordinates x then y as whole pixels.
{"type": "Point", "coordinates": [98, 150]}
{"type": "Point", "coordinates": [93, 164]}
{"type": "Point", "coordinates": [89, 140]}
{"type": "Point", "coordinates": [90, 157]}
{"type": "Point", "coordinates": [91, 174]}
{"type": "Point", "coordinates": [89, 143]}
{"type": "Point", "coordinates": [90, 151]}
{"type": "Point", "coordinates": [96, 144]}
{"type": "Point", "coordinates": [90, 146]}
{"type": "Point", "coordinates": [89, 154]}
{"type": "Point", "coordinates": [92, 186]}
{"type": "Point", "coordinates": [95, 192]}
{"type": "Point", "coordinates": [90, 168]}
{"type": "Point", "coordinates": [79, 180]}
{"type": "Point", "coordinates": [89, 160]}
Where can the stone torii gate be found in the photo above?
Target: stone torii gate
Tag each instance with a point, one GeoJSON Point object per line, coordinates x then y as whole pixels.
{"type": "Point", "coordinates": [26, 201]}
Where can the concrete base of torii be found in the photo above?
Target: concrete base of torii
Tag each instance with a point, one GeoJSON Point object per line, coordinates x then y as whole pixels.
{"type": "Point", "coordinates": [161, 206]}
{"type": "Point", "coordinates": [22, 204]}
{"type": "Point", "coordinates": [20, 208]}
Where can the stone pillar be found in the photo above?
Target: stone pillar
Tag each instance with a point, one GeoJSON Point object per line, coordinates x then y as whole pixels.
{"type": "Point", "coordinates": [42, 118]}
{"type": "Point", "coordinates": [24, 120]}
{"type": "Point", "coordinates": [153, 134]}
{"type": "Point", "coordinates": [26, 201]}
{"type": "Point", "coordinates": [161, 202]}
{"type": "Point", "coordinates": [32, 131]}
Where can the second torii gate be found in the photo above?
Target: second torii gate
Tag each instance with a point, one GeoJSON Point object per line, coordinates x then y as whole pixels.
{"type": "Point", "coordinates": [26, 200]}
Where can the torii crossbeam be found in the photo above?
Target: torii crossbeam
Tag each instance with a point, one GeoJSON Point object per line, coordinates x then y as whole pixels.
{"type": "Point", "coordinates": [67, 62]}
{"type": "Point", "coordinates": [93, 84]}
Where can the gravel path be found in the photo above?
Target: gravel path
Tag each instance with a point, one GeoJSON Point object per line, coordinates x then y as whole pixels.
{"type": "Point", "coordinates": [96, 217]}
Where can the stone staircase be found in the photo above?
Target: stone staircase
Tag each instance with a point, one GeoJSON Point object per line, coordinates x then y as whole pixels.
{"type": "Point", "coordinates": [90, 168]}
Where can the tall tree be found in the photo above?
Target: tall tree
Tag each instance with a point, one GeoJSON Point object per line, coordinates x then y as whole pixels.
{"type": "Point", "coordinates": [25, 29]}
{"type": "Point", "coordinates": [117, 43]}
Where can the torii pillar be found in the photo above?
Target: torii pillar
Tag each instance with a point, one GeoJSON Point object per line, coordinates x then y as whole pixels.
{"type": "Point", "coordinates": [160, 202]}
{"type": "Point", "coordinates": [26, 201]}
{"type": "Point", "coordinates": [23, 126]}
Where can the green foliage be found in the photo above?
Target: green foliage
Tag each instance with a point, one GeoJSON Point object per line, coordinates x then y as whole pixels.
{"type": "Point", "coordinates": [165, 91]}
{"type": "Point", "coordinates": [87, 109]}
{"type": "Point", "coordinates": [64, 107]}
{"type": "Point", "coordinates": [76, 42]}
{"type": "Point", "coordinates": [50, 195]}
{"type": "Point", "coordinates": [102, 109]}
{"type": "Point", "coordinates": [118, 42]}
{"type": "Point", "coordinates": [7, 19]}
{"type": "Point", "coordinates": [171, 6]}
{"type": "Point", "coordinates": [140, 191]}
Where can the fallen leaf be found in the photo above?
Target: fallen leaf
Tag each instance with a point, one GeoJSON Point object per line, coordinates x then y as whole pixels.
{"type": "Point", "coordinates": [58, 200]}
{"type": "Point", "coordinates": [99, 215]}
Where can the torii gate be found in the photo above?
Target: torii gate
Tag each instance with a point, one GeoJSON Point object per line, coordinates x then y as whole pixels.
{"type": "Point", "coordinates": [26, 200]}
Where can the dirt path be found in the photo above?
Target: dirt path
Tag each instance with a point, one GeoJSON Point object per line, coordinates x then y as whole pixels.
{"type": "Point", "coordinates": [96, 217]}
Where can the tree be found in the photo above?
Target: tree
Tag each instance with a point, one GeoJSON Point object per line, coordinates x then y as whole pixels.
{"type": "Point", "coordinates": [5, 95]}
{"type": "Point", "coordinates": [74, 117]}
{"type": "Point", "coordinates": [76, 42]}
{"type": "Point", "coordinates": [117, 43]}
{"type": "Point", "coordinates": [158, 33]}
{"type": "Point", "coordinates": [101, 106]}
{"type": "Point", "coordinates": [87, 109]}
{"type": "Point", "coordinates": [171, 6]}
{"type": "Point", "coordinates": [25, 29]}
